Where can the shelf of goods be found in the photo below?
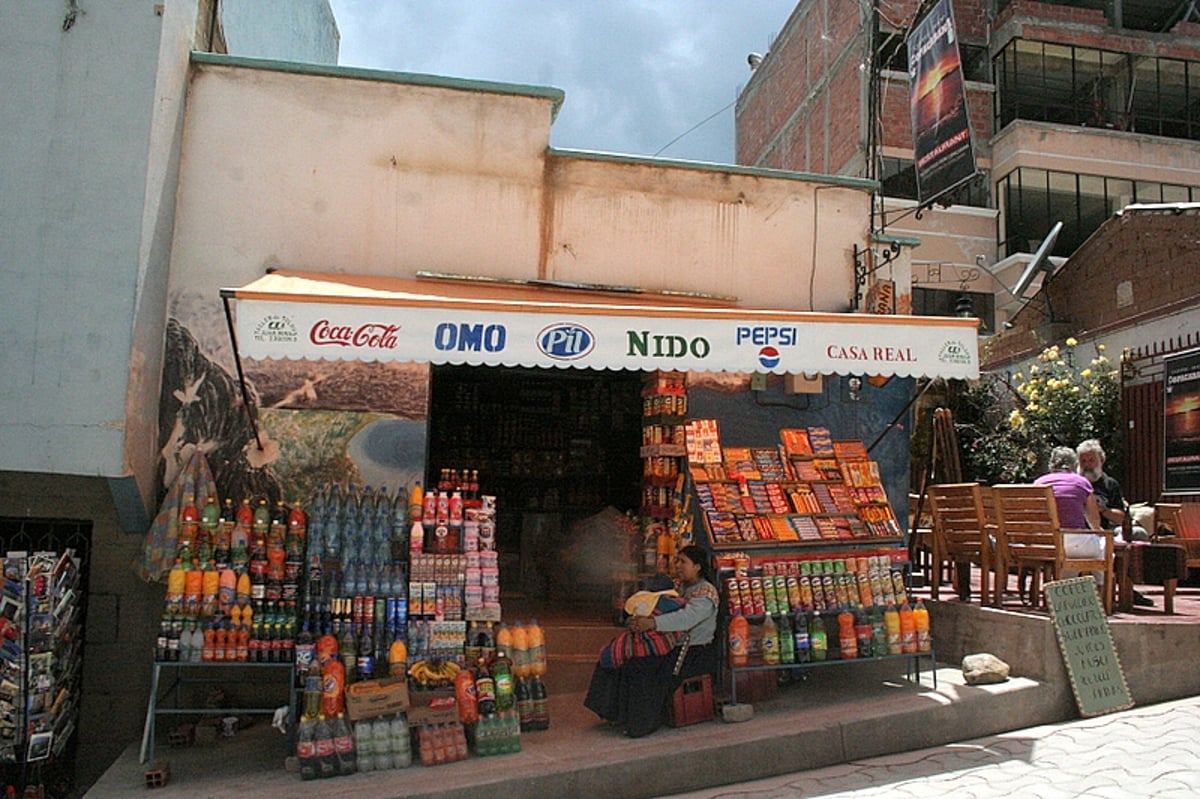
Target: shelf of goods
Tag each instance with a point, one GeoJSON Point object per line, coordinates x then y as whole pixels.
{"type": "Point", "coordinates": [805, 539]}
{"type": "Point", "coordinates": [40, 625]}
{"type": "Point", "coordinates": [666, 518]}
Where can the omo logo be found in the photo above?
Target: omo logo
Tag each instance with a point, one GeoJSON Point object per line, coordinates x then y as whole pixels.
{"type": "Point", "coordinates": [469, 338]}
{"type": "Point", "coordinates": [565, 341]}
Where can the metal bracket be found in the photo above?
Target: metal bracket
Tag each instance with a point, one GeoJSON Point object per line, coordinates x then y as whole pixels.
{"type": "Point", "coordinates": [867, 262]}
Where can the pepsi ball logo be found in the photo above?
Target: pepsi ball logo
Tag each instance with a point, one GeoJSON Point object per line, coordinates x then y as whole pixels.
{"type": "Point", "coordinates": [768, 357]}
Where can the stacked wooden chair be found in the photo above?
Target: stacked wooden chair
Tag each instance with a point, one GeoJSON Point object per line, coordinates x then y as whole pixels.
{"type": "Point", "coordinates": [962, 536]}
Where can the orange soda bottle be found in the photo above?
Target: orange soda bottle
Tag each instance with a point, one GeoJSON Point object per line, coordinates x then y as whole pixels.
{"type": "Point", "coordinates": [921, 623]}
{"type": "Point", "coordinates": [908, 630]}
{"type": "Point", "coordinates": [520, 651]}
{"type": "Point", "coordinates": [847, 637]}
{"type": "Point", "coordinates": [739, 642]}
{"type": "Point", "coordinates": [536, 655]}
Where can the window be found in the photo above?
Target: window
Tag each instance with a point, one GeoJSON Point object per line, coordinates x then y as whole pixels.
{"type": "Point", "coordinates": [945, 302]}
{"type": "Point", "coordinates": [1068, 85]}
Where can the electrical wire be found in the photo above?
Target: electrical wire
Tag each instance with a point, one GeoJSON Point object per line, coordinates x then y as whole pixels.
{"type": "Point", "coordinates": [699, 124]}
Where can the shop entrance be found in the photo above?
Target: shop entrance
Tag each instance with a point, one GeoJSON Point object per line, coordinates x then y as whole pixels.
{"type": "Point", "coordinates": [556, 447]}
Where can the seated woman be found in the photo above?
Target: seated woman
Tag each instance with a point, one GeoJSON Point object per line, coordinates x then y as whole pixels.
{"type": "Point", "coordinates": [1077, 505]}
{"type": "Point", "coordinates": [637, 673]}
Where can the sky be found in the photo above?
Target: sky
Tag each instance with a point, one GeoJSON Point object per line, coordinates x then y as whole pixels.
{"type": "Point", "coordinates": [641, 77]}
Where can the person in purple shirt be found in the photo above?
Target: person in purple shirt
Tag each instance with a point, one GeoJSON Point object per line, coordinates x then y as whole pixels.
{"type": "Point", "coordinates": [1076, 501]}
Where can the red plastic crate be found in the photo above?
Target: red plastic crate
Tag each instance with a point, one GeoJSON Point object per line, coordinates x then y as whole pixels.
{"type": "Point", "coordinates": [692, 702]}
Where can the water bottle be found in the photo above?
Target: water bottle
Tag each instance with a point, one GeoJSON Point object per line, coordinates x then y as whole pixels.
{"type": "Point", "coordinates": [381, 740]}
{"type": "Point", "coordinates": [364, 746]}
{"type": "Point", "coordinates": [401, 742]}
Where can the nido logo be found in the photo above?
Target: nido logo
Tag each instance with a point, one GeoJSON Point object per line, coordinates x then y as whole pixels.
{"type": "Point", "coordinates": [370, 335]}
{"type": "Point", "coordinates": [276, 329]}
{"type": "Point", "coordinates": [448, 337]}
{"type": "Point", "coordinates": [565, 341]}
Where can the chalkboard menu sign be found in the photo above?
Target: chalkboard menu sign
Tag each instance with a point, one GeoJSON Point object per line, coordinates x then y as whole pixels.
{"type": "Point", "coordinates": [1087, 647]}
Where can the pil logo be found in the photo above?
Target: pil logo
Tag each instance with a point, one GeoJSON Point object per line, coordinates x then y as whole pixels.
{"type": "Point", "coordinates": [565, 341]}
{"type": "Point", "coordinates": [768, 357]}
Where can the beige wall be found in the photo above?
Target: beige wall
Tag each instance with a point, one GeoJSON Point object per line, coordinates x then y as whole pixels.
{"type": "Point", "coordinates": [356, 172]}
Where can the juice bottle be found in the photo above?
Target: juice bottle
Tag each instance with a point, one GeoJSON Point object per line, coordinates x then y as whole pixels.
{"type": "Point", "coordinates": [398, 658]}
{"type": "Point", "coordinates": [908, 630]}
{"type": "Point", "coordinates": [847, 638]}
{"type": "Point", "coordinates": [537, 649]}
{"type": "Point", "coordinates": [193, 588]}
{"type": "Point", "coordinates": [210, 588]}
{"type": "Point", "coordinates": [226, 589]}
{"type": "Point", "coordinates": [770, 641]}
{"type": "Point", "coordinates": [520, 651]}
{"type": "Point", "coordinates": [176, 585]}
{"type": "Point", "coordinates": [504, 638]}
{"type": "Point", "coordinates": [817, 639]}
{"type": "Point", "coordinates": [891, 621]}
{"type": "Point", "coordinates": [921, 622]}
{"type": "Point", "coordinates": [739, 642]}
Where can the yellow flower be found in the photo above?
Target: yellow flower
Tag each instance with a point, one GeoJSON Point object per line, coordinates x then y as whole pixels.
{"type": "Point", "coordinates": [1101, 347]}
{"type": "Point", "coordinates": [1016, 420]}
{"type": "Point", "coordinates": [1071, 342]}
{"type": "Point", "coordinates": [1033, 369]}
{"type": "Point", "coordinates": [1018, 377]}
{"type": "Point", "coordinates": [1032, 407]}
{"type": "Point", "coordinates": [1086, 373]}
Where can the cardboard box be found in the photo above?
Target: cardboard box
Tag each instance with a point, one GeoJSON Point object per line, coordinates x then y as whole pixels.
{"type": "Point", "coordinates": [432, 707]}
{"type": "Point", "coordinates": [371, 698]}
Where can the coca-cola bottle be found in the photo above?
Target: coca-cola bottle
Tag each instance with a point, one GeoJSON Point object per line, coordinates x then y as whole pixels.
{"type": "Point", "coordinates": [343, 746]}
{"type": "Point", "coordinates": [306, 749]}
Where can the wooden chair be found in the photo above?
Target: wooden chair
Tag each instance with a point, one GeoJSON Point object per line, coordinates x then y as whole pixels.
{"type": "Point", "coordinates": [1029, 538]}
{"type": "Point", "coordinates": [1183, 520]}
{"type": "Point", "coordinates": [960, 537]}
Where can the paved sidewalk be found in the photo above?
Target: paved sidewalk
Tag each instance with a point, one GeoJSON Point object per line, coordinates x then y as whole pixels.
{"type": "Point", "coordinates": [1151, 751]}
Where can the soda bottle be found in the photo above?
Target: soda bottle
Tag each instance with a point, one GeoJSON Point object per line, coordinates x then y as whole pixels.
{"type": "Point", "coordinates": [891, 622]}
{"type": "Point", "coordinates": [210, 587]}
{"type": "Point", "coordinates": [879, 638]}
{"type": "Point", "coordinates": [364, 745]}
{"type": "Point", "coordinates": [520, 651]}
{"type": "Point", "coordinates": [343, 745]}
{"type": "Point", "coordinates": [313, 688]}
{"type": "Point", "coordinates": [541, 704]}
{"type": "Point", "coordinates": [326, 753]}
{"type": "Point", "coordinates": [348, 650]}
{"type": "Point", "coordinates": [485, 690]}
{"type": "Point", "coordinates": [847, 635]}
{"type": "Point", "coordinates": [176, 586]}
{"type": "Point", "coordinates": [921, 622]}
{"type": "Point", "coordinates": [306, 748]}
{"type": "Point", "coordinates": [173, 636]}
{"type": "Point", "coordinates": [862, 632]}
{"type": "Point", "coordinates": [502, 676]}
{"type": "Point", "coordinates": [189, 525]}
{"type": "Point", "coordinates": [739, 641]}
{"type": "Point", "coordinates": [465, 697]}
{"type": "Point", "coordinates": [398, 658]}
{"type": "Point", "coordinates": [160, 643]}
{"type": "Point", "coordinates": [242, 642]}
{"type": "Point", "coordinates": [366, 654]}
{"type": "Point", "coordinates": [222, 546]}
{"type": "Point", "coordinates": [193, 589]}
{"type": "Point", "coordinates": [908, 629]}
{"type": "Point", "coordinates": [524, 704]}
{"type": "Point", "coordinates": [787, 640]}
{"type": "Point", "coordinates": [537, 648]}
{"type": "Point", "coordinates": [770, 641]}
{"type": "Point", "coordinates": [801, 642]}
{"type": "Point", "coordinates": [504, 638]}
{"type": "Point", "coordinates": [817, 638]}
{"type": "Point", "coordinates": [333, 685]}
{"type": "Point", "coordinates": [219, 643]}
{"type": "Point", "coordinates": [210, 519]}
{"type": "Point", "coordinates": [226, 589]}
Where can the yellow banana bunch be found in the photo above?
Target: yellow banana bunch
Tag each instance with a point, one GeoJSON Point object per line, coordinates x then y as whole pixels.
{"type": "Point", "coordinates": [433, 673]}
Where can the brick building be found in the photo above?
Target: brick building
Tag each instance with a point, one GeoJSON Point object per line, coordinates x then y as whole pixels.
{"type": "Point", "coordinates": [1076, 109]}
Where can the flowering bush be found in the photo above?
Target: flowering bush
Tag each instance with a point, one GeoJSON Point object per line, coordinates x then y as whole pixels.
{"type": "Point", "coordinates": [1007, 429]}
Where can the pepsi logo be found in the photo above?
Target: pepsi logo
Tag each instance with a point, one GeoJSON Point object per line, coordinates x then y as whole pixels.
{"type": "Point", "coordinates": [768, 357]}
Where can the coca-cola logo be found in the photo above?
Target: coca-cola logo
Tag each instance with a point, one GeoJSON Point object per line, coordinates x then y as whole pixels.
{"type": "Point", "coordinates": [371, 335]}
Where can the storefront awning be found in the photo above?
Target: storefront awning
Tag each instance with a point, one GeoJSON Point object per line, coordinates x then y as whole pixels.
{"type": "Point", "coordinates": [310, 315]}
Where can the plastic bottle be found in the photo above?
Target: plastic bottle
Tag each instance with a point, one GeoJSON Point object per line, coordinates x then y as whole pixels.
{"type": "Point", "coordinates": [801, 642]}
{"type": "Point", "coordinates": [364, 746]}
{"type": "Point", "coordinates": [862, 632]}
{"type": "Point", "coordinates": [921, 622]}
{"type": "Point", "coordinates": [739, 642]}
{"type": "Point", "coordinates": [770, 641]}
{"type": "Point", "coordinates": [398, 658]}
{"type": "Point", "coordinates": [401, 741]}
{"type": "Point", "coordinates": [520, 651]}
{"type": "Point", "coordinates": [541, 706]}
{"type": "Point", "coordinates": [306, 748]}
{"type": "Point", "coordinates": [210, 588]}
{"type": "Point", "coordinates": [537, 648]}
{"type": "Point", "coordinates": [313, 688]}
{"type": "Point", "coordinates": [343, 745]}
{"type": "Point", "coordinates": [381, 743]}
{"type": "Point", "coordinates": [502, 676]}
{"type": "Point", "coordinates": [220, 644]}
{"type": "Point", "coordinates": [193, 588]}
{"type": "Point", "coordinates": [908, 630]}
{"type": "Point", "coordinates": [816, 636]}
{"type": "Point", "coordinates": [787, 640]}
{"type": "Point", "coordinates": [176, 586]}
{"type": "Point", "coordinates": [879, 643]}
{"type": "Point", "coordinates": [524, 705]}
{"type": "Point", "coordinates": [326, 754]}
{"type": "Point", "coordinates": [465, 697]}
{"type": "Point", "coordinates": [485, 690]}
{"type": "Point", "coordinates": [333, 684]}
{"type": "Point", "coordinates": [847, 638]}
{"type": "Point", "coordinates": [891, 622]}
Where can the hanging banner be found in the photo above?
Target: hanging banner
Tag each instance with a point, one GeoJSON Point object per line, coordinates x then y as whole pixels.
{"type": "Point", "coordinates": [282, 316]}
{"type": "Point", "coordinates": [942, 149]}
{"type": "Point", "coordinates": [1181, 405]}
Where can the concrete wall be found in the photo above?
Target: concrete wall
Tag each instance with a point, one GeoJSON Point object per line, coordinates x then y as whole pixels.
{"type": "Point", "coordinates": [253, 28]}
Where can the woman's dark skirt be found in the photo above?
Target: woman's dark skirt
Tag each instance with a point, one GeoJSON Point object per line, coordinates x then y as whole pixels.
{"type": "Point", "coordinates": [637, 693]}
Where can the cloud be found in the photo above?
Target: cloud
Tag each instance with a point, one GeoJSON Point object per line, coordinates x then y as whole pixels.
{"type": "Point", "coordinates": [636, 74]}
